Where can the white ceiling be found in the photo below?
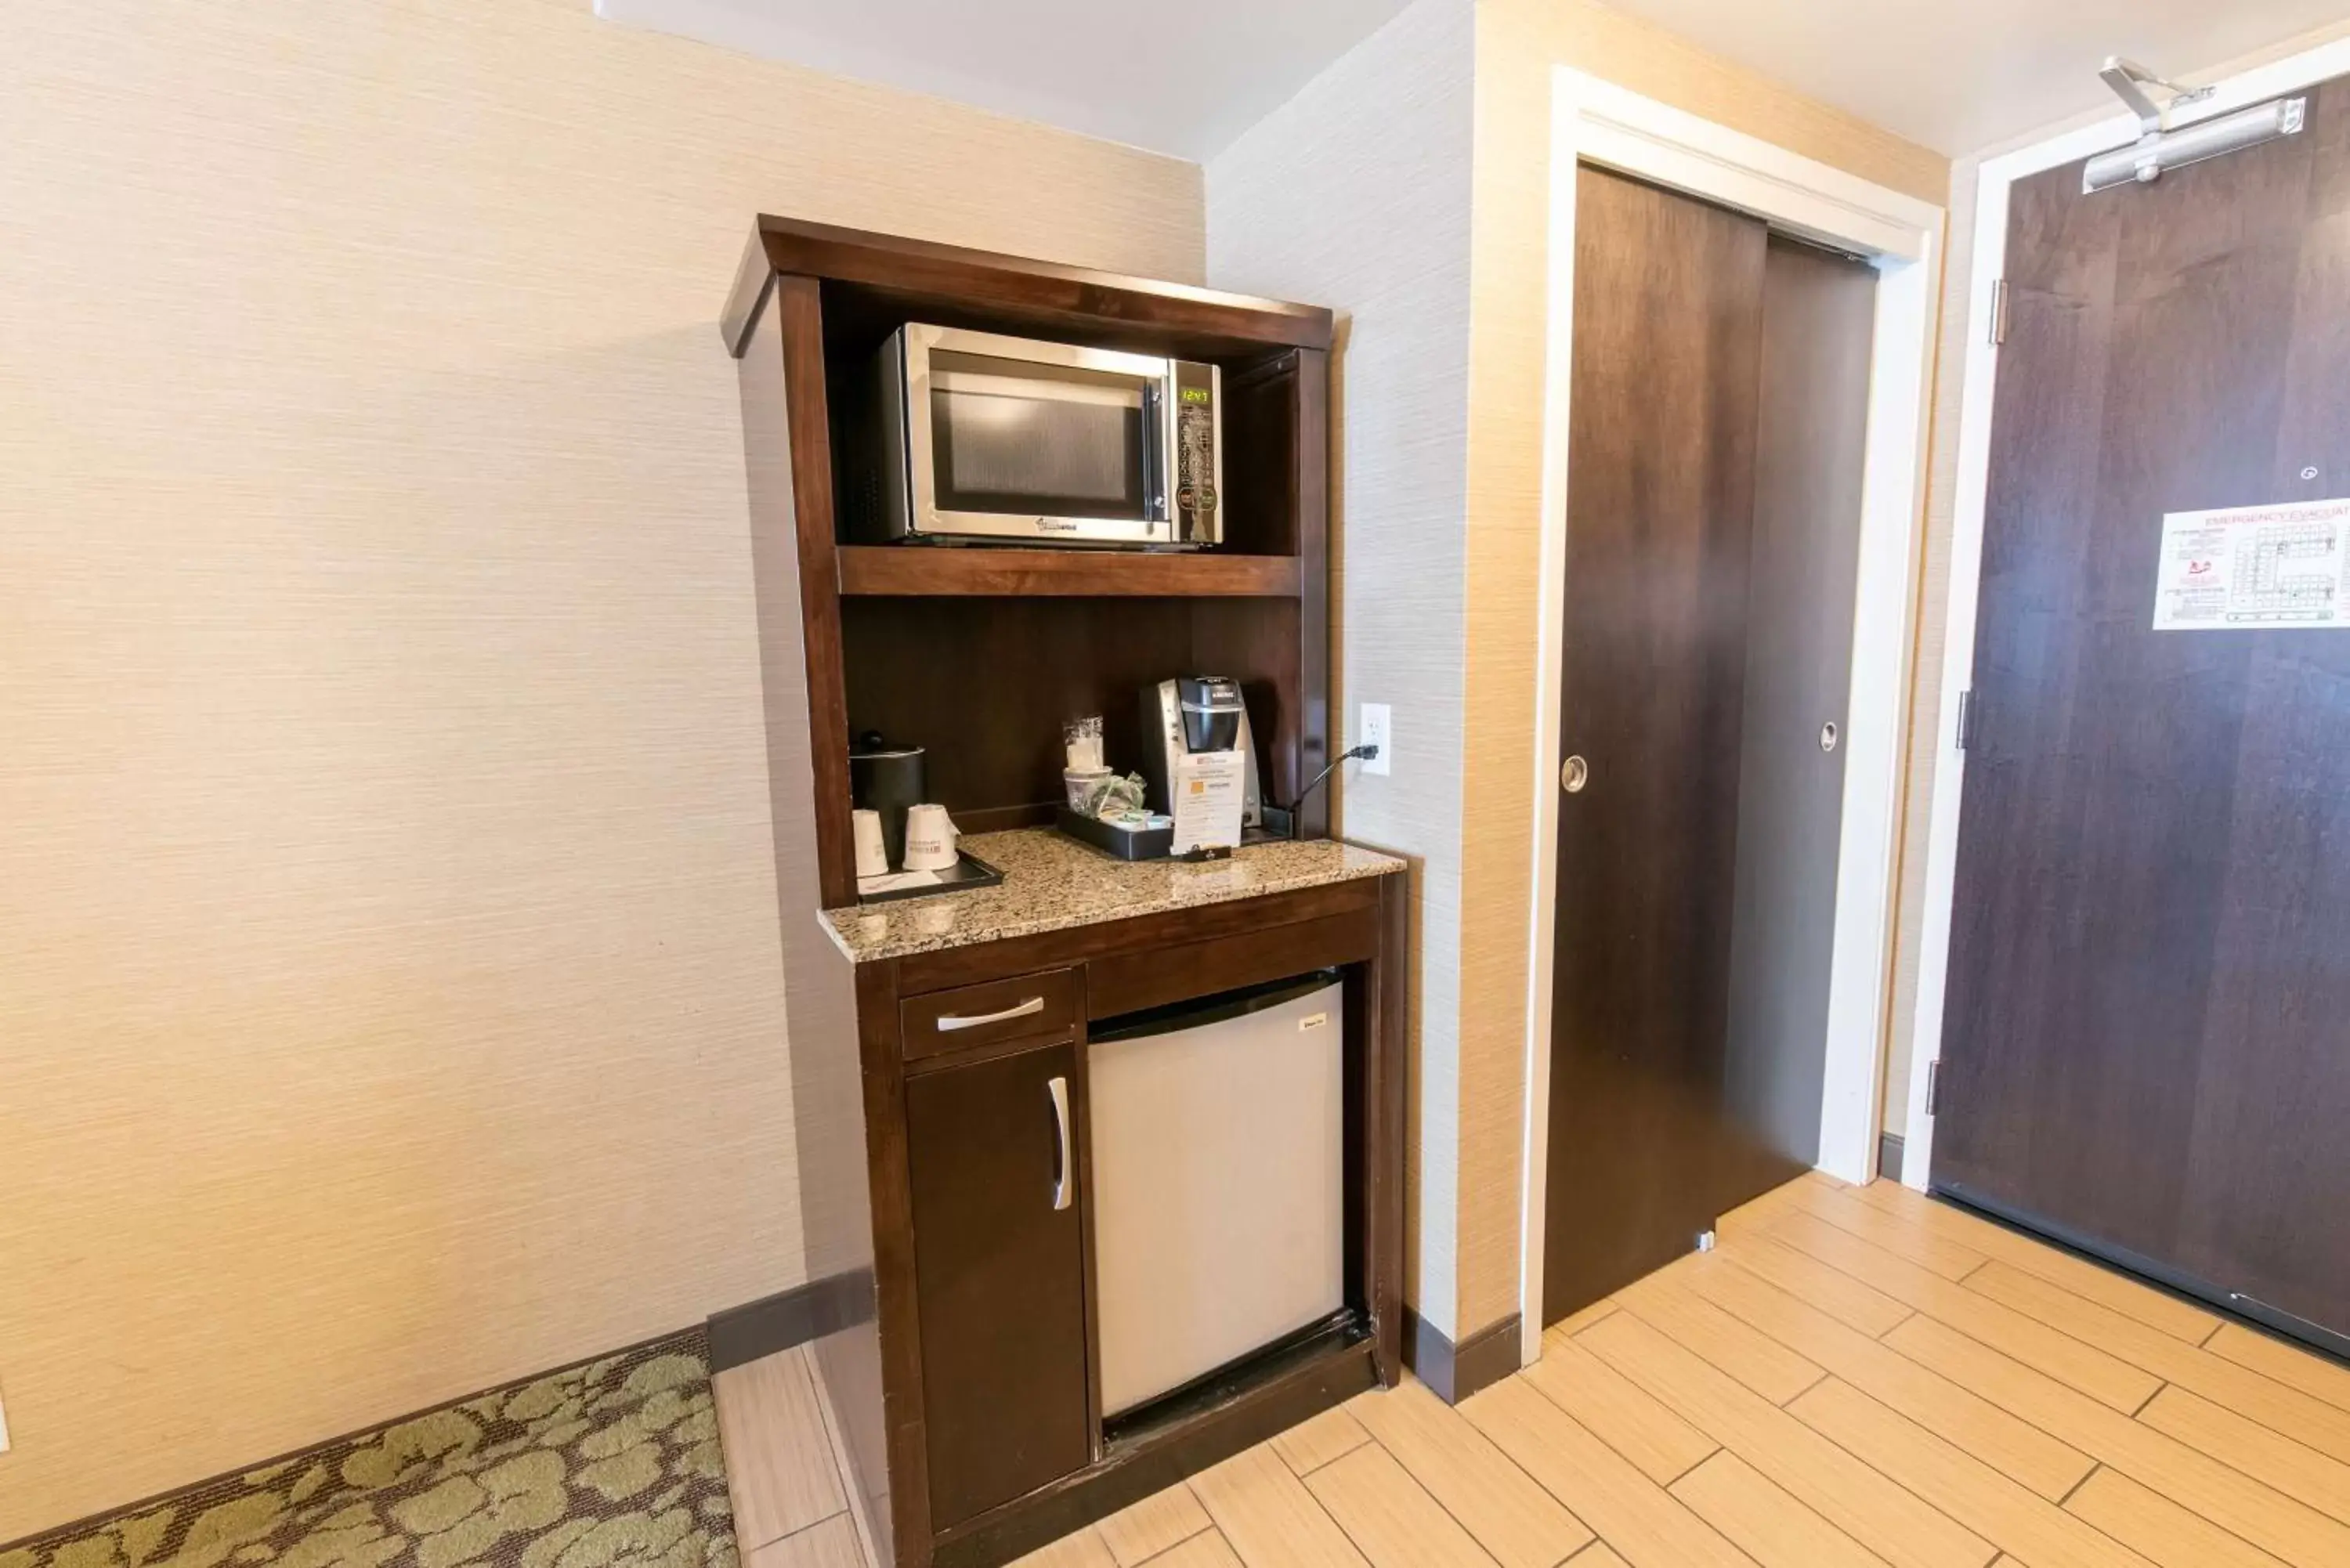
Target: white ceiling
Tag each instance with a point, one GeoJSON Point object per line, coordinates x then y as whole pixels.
{"type": "Point", "coordinates": [1959, 76]}
{"type": "Point", "coordinates": [1183, 80]}
{"type": "Point", "coordinates": [1955, 75]}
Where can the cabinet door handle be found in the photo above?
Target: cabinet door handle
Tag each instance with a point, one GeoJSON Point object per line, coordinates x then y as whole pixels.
{"type": "Point", "coordinates": [951, 1022]}
{"type": "Point", "coordinates": [1065, 1179]}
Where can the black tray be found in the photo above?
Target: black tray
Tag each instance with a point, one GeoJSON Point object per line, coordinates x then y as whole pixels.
{"type": "Point", "coordinates": [969, 872]}
{"type": "Point", "coordinates": [1146, 843]}
{"type": "Point", "coordinates": [1156, 843]}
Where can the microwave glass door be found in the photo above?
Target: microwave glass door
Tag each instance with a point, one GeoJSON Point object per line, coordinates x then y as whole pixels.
{"type": "Point", "coordinates": [1039, 439]}
{"type": "Point", "coordinates": [1014, 438]}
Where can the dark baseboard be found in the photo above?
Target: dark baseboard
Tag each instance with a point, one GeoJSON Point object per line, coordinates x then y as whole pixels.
{"type": "Point", "coordinates": [1888, 1156]}
{"type": "Point", "coordinates": [743, 1335]}
{"type": "Point", "coordinates": [1482, 1360]}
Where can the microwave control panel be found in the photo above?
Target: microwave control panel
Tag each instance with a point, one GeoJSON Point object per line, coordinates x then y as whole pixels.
{"type": "Point", "coordinates": [1196, 500]}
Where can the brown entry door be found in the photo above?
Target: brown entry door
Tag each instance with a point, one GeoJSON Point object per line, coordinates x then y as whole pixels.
{"type": "Point", "coordinates": [2146, 1039]}
{"type": "Point", "coordinates": [1712, 503]}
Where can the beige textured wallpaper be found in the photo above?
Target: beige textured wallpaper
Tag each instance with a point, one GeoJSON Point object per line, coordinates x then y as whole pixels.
{"type": "Point", "coordinates": [1355, 193]}
{"type": "Point", "coordinates": [1440, 411]}
{"type": "Point", "coordinates": [1518, 44]}
{"type": "Point", "coordinates": [390, 1000]}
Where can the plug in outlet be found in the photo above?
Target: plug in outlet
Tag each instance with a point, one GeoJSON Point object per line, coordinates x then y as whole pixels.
{"type": "Point", "coordinates": [1373, 728]}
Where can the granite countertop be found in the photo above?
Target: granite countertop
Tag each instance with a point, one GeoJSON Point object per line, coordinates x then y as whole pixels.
{"type": "Point", "coordinates": [1052, 882]}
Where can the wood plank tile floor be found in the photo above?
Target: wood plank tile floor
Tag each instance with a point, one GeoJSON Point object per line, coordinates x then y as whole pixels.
{"type": "Point", "coordinates": [1856, 1376]}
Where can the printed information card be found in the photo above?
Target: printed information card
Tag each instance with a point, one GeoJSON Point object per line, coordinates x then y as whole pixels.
{"type": "Point", "coordinates": [1208, 787]}
{"type": "Point", "coordinates": [2252, 568]}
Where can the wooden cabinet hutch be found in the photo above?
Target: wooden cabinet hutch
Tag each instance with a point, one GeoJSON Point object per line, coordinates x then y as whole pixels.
{"type": "Point", "coordinates": [961, 1355]}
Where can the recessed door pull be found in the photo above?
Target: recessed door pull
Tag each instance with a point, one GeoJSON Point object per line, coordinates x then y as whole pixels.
{"type": "Point", "coordinates": [951, 1022]}
{"type": "Point", "coordinates": [1573, 775]}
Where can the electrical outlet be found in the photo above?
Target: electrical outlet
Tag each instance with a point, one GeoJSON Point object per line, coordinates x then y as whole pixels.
{"type": "Point", "coordinates": [1373, 728]}
{"type": "Point", "coordinates": [3, 1429]}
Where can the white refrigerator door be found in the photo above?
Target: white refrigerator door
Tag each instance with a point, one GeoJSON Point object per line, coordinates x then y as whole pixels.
{"type": "Point", "coordinates": [1219, 1213]}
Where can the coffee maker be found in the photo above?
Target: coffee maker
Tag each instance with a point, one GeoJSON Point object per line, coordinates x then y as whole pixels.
{"type": "Point", "coordinates": [1200, 761]}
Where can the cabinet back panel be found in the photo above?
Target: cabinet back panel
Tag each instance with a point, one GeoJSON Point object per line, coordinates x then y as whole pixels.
{"type": "Point", "coordinates": [1260, 438]}
{"type": "Point", "coordinates": [986, 683]}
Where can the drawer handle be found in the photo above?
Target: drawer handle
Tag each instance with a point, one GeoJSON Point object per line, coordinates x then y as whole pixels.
{"type": "Point", "coordinates": [951, 1022]}
{"type": "Point", "coordinates": [1064, 1179]}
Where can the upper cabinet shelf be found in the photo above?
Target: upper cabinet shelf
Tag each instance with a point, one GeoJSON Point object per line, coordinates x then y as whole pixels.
{"type": "Point", "coordinates": [912, 571]}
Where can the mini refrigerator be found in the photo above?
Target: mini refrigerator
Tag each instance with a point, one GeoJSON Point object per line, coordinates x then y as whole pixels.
{"type": "Point", "coordinates": [1219, 1168]}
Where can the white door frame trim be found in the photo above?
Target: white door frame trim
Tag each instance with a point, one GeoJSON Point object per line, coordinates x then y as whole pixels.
{"type": "Point", "coordinates": [1996, 178]}
{"type": "Point", "coordinates": [1599, 122]}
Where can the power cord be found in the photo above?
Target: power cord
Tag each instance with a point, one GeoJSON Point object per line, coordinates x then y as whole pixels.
{"type": "Point", "coordinates": [1355, 754]}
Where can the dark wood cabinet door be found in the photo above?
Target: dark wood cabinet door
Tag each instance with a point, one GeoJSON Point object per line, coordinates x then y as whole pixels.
{"type": "Point", "coordinates": [999, 1276]}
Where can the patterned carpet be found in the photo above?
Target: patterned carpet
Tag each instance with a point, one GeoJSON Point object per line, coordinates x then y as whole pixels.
{"type": "Point", "coordinates": [612, 1465]}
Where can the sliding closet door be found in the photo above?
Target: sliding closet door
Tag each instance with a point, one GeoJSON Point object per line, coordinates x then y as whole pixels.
{"type": "Point", "coordinates": [1721, 412]}
{"type": "Point", "coordinates": [1819, 323]}
{"type": "Point", "coordinates": [1660, 502]}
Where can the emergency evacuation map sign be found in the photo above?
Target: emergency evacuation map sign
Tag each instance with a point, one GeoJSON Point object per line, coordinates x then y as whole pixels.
{"type": "Point", "coordinates": [2254, 569]}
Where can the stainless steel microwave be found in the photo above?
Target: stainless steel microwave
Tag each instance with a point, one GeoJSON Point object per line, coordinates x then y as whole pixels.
{"type": "Point", "coordinates": [983, 438]}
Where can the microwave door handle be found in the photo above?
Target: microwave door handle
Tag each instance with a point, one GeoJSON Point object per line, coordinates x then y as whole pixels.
{"type": "Point", "coordinates": [1159, 481]}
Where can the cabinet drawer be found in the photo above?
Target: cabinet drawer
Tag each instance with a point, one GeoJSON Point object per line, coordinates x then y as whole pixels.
{"type": "Point", "coordinates": [1132, 981]}
{"type": "Point", "coordinates": [1040, 1005]}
